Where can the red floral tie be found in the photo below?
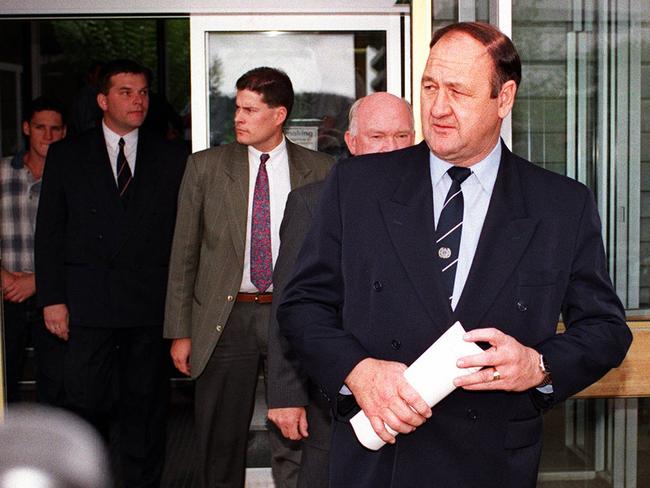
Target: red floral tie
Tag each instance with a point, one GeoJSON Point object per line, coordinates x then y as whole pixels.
{"type": "Point", "coordinates": [261, 253]}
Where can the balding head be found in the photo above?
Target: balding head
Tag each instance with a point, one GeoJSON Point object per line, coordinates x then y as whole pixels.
{"type": "Point", "coordinates": [379, 122]}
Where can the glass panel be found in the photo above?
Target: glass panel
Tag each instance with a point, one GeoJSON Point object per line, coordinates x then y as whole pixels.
{"type": "Point", "coordinates": [14, 35]}
{"type": "Point", "coordinates": [569, 444]}
{"type": "Point", "coordinates": [10, 132]}
{"type": "Point", "coordinates": [448, 11]}
{"type": "Point", "coordinates": [444, 12]}
{"type": "Point", "coordinates": [177, 63]}
{"type": "Point", "coordinates": [597, 443]}
{"type": "Point", "coordinates": [582, 111]}
{"type": "Point", "coordinates": [643, 449]}
{"type": "Point", "coordinates": [644, 278]}
{"type": "Point", "coordinates": [328, 71]}
{"type": "Point", "coordinates": [72, 50]}
{"type": "Point", "coordinates": [540, 113]}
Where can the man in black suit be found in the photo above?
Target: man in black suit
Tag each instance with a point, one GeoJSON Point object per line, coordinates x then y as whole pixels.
{"type": "Point", "coordinates": [454, 229]}
{"type": "Point", "coordinates": [103, 238]}
{"type": "Point", "coordinates": [379, 122]}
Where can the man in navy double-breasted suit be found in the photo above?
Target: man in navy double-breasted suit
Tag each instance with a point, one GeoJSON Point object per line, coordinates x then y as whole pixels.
{"type": "Point", "coordinates": [372, 288]}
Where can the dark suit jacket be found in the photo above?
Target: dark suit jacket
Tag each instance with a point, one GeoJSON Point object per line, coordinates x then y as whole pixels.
{"type": "Point", "coordinates": [108, 264]}
{"type": "Point", "coordinates": [370, 251]}
{"type": "Point", "coordinates": [287, 384]}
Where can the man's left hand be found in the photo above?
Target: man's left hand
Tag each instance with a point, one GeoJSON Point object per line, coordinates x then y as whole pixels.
{"type": "Point", "coordinates": [507, 365]}
{"type": "Point", "coordinates": [292, 421]}
{"type": "Point", "coordinates": [23, 287]}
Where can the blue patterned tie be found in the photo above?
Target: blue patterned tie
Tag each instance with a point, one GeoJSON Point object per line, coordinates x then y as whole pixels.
{"type": "Point", "coordinates": [450, 225]}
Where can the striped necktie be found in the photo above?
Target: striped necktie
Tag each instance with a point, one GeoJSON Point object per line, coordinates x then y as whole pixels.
{"type": "Point", "coordinates": [450, 225]}
{"type": "Point", "coordinates": [124, 175]}
{"type": "Point", "coordinates": [261, 251]}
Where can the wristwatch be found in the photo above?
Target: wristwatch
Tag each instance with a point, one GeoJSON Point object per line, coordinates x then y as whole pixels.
{"type": "Point", "coordinates": [543, 365]}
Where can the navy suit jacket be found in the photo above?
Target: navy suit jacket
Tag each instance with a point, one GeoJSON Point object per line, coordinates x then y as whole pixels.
{"type": "Point", "coordinates": [107, 263]}
{"type": "Point", "coordinates": [370, 253]}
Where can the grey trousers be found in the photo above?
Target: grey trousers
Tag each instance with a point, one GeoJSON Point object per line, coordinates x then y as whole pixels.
{"type": "Point", "coordinates": [225, 399]}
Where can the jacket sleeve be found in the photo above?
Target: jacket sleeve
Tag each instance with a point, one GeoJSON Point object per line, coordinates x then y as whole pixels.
{"type": "Point", "coordinates": [49, 238]}
{"type": "Point", "coordinates": [309, 312]}
{"type": "Point", "coordinates": [597, 336]}
{"type": "Point", "coordinates": [287, 383]}
{"type": "Point", "coordinates": [185, 253]}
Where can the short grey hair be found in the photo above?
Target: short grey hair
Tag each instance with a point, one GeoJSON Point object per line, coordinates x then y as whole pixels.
{"type": "Point", "coordinates": [352, 114]}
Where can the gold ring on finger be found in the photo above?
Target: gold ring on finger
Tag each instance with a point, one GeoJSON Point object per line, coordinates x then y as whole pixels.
{"type": "Point", "coordinates": [496, 376]}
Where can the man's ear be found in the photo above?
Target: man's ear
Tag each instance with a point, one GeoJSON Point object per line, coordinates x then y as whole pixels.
{"type": "Point", "coordinates": [506, 98]}
{"type": "Point", "coordinates": [26, 129]}
{"type": "Point", "coordinates": [281, 115]}
{"type": "Point", "coordinates": [351, 142]}
{"type": "Point", "coordinates": [102, 101]}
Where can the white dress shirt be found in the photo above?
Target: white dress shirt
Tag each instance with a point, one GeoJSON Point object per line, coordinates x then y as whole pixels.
{"type": "Point", "coordinates": [277, 168]}
{"type": "Point", "coordinates": [477, 191]}
{"type": "Point", "coordinates": [130, 148]}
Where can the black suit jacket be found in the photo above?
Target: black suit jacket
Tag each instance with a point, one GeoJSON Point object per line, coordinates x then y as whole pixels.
{"type": "Point", "coordinates": [370, 252]}
{"type": "Point", "coordinates": [107, 263]}
{"type": "Point", "coordinates": [287, 384]}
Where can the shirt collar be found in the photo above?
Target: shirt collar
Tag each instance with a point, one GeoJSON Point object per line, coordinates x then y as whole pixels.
{"type": "Point", "coordinates": [273, 154]}
{"type": "Point", "coordinates": [112, 138]}
{"type": "Point", "coordinates": [485, 170]}
{"type": "Point", "coordinates": [17, 161]}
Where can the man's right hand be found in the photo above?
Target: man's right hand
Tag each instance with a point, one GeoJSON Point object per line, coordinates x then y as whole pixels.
{"type": "Point", "coordinates": [292, 421]}
{"type": "Point", "coordinates": [7, 278]}
{"type": "Point", "coordinates": [22, 287]}
{"type": "Point", "coordinates": [57, 320]}
{"type": "Point", "coordinates": [385, 396]}
{"type": "Point", "coordinates": [180, 352]}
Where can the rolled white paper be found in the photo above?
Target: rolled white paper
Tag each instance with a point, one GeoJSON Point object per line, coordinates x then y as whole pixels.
{"type": "Point", "coordinates": [431, 375]}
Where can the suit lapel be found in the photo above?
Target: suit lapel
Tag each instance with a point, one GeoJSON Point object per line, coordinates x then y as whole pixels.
{"type": "Point", "coordinates": [100, 176]}
{"type": "Point", "coordinates": [145, 187]}
{"type": "Point", "coordinates": [408, 216]}
{"type": "Point", "coordinates": [236, 196]}
{"type": "Point", "coordinates": [236, 189]}
{"type": "Point", "coordinates": [505, 235]}
{"type": "Point", "coordinates": [298, 170]}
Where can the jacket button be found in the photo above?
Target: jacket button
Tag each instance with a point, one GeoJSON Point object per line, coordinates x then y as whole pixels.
{"type": "Point", "coordinates": [218, 327]}
{"type": "Point", "coordinates": [93, 210]}
{"type": "Point", "coordinates": [395, 344]}
{"type": "Point", "coordinates": [471, 414]}
{"type": "Point", "coordinates": [100, 236]}
{"type": "Point", "coordinates": [521, 306]}
{"type": "Point", "coordinates": [230, 298]}
{"type": "Point", "coordinates": [377, 286]}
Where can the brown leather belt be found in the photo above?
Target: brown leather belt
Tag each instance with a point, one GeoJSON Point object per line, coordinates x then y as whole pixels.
{"type": "Point", "coordinates": [255, 297]}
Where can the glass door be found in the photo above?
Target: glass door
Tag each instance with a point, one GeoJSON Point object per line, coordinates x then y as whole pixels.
{"type": "Point", "coordinates": [10, 109]}
{"type": "Point", "coordinates": [331, 60]}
